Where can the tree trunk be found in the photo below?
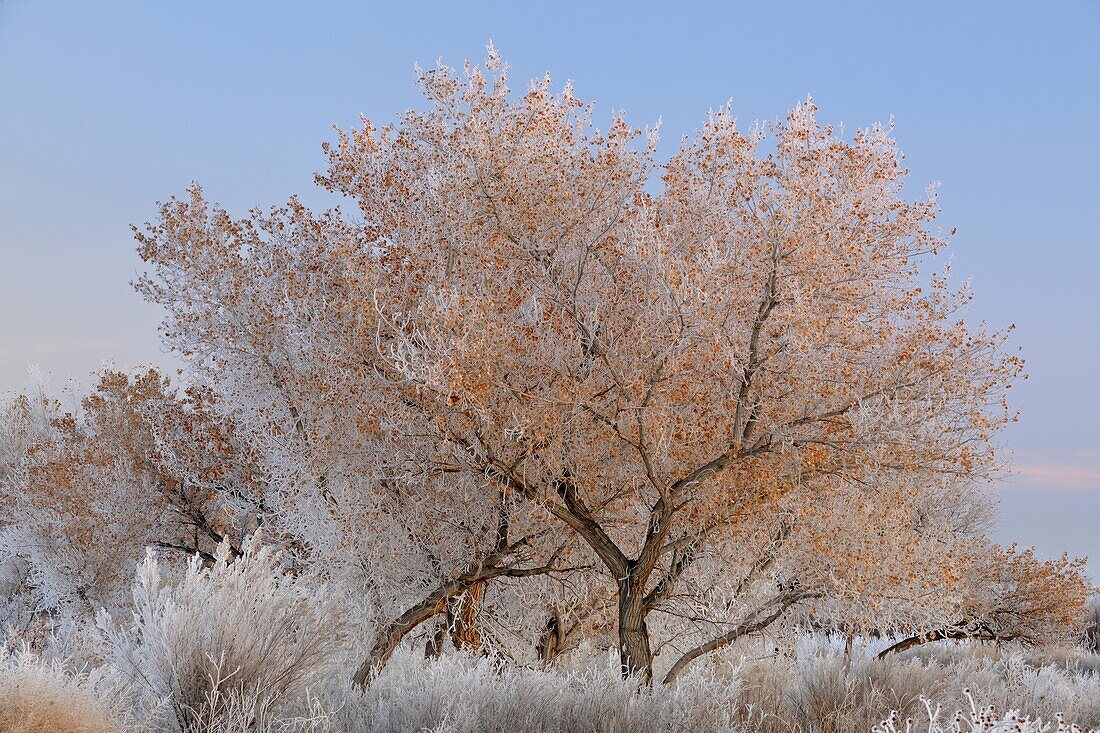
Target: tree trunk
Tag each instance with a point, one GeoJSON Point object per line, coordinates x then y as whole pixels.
{"type": "Point", "coordinates": [463, 612]}
{"type": "Point", "coordinates": [389, 638]}
{"type": "Point", "coordinates": [634, 650]}
{"type": "Point", "coordinates": [550, 641]}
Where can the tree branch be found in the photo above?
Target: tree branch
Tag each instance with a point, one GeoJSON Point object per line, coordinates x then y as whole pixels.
{"type": "Point", "coordinates": [750, 625]}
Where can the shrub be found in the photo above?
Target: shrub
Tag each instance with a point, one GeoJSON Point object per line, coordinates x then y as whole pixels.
{"type": "Point", "coordinates": [230, 643]}
{"type": "Point", "coordinates": [826, 693]}
{"type": "Point", "coordinates": [821, 690]}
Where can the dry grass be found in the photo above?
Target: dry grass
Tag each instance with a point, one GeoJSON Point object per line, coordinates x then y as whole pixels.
{"type": "Point", "coordinates": [819, 691]}
{"type": "Point", "coordinates": [240, 647]}
{"type": "Point", "coordinates": [824, 693]}
{"type": "Point", "coordinates": [457, 694]}
{"type": "Point", "coordinates": [43, 698]}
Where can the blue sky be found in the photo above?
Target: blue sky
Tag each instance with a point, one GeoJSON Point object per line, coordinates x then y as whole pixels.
{"type": "Point", "coordinates": [108, 107]}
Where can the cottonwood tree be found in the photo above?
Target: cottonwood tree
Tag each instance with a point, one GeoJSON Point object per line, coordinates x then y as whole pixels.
{"type": "Point", "coordinates": [136, 465]}
{"type": "Point", "coordinates": [276, 313]}
{"type": "Point", "coordinates": [522, 338]}
{"type": "Point", "coordinates": [655, 369]}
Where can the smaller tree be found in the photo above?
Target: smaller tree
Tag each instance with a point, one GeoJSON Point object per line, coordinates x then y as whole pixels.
{"type": "Point", "coordinates": [1009, 594]}
{"type": "Point", "coordinates": [137, 465]}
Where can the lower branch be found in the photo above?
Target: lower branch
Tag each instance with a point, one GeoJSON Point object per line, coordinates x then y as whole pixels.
{"type": "Point", "coordinates": [432, 604]}
{"type": "Point", "coordinates": [750, 625]}
{"type": "Point", "coordinates": [942, 635]}
{"type": "Point", "coordinates": [206, 557]}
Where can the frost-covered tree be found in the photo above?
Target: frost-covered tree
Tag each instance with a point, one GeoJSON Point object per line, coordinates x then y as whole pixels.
{"type": "Point", "coordinates": [25, 419]}
{"type": "Point", "coordinates": [275, 313]}
{"type": "Point", "coordinates": [84, 492]}
{"type": "Point", "coordinates": [723, 381]}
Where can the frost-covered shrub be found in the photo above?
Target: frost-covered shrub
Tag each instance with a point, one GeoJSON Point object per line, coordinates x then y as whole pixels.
{"type": "Point", "coordinates": [823, 692]}
{"type": "Point", "coordinates": [821, 689]}
{"type": "Point", "coordinates": [181, 685]}
{"type": "Point", "coordinates": [39, 697]}
{"type": "Point", "coordinates": [235, 641]}
{"type": "Point", "coordinates": [818, 691]}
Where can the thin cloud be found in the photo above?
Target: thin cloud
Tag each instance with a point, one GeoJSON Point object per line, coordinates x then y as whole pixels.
{"type": "Point", "coordinates": [1078, 471]}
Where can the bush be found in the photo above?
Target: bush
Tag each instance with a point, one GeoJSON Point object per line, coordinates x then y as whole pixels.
{"type": "Point", "coordinates": [229, 645]}
{"type": "Point", "coordinates": [821, 690]}
{"type": "Point", "coordinates": [241, 646]}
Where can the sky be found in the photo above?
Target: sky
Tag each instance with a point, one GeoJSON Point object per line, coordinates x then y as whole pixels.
{"type": "Point", "coordinates": [108, 107]}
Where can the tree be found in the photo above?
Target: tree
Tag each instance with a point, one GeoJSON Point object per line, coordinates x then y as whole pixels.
{"type": "Point", "coordinates": [1009, 594]}
{"type": "Point", "coordinates": [274, 313]}
{"type": "Point", "coordinates": [74, 479]}
{"type": "Point", "coordinates": [522, 338]}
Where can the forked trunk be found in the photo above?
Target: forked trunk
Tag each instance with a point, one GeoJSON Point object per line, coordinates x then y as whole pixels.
{"type": "Point", "coordinates": [634, 650]}
{"type": "Point", "coordinates": [388, 639]}
{"type": "Point", "coordinates": [391, 635]}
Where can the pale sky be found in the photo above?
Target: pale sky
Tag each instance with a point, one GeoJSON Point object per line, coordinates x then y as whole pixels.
{"type": "Point", "coordinates": [108, 107]}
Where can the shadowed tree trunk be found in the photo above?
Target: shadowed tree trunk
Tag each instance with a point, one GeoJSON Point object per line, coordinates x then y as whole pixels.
{"type": "Point", "coordinates": [550, 641]}
{"type": "Point", "coordinates": [462, 618]}
{"type": "Point", "coordinates": [433, 648]}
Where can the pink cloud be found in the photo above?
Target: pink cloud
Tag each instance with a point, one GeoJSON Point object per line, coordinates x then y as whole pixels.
{"type": "Point", "coordinates": [1071, 470]}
